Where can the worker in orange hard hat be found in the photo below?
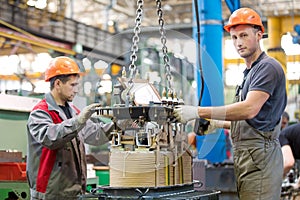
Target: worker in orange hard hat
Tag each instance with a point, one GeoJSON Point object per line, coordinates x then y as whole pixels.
{"type": "Point", "coordinates": [57, 131]}
{"type": "Point", "coordinates": [254, 119]}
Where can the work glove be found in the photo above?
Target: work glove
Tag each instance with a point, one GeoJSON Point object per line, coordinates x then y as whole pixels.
{"type": "Point", "coordinates": [185, 113]}
{"type": "Point", "coordinates": [87, 112]}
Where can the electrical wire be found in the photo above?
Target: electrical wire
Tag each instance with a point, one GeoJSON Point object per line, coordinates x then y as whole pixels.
{"type": "Point", "coordinates": [199, 51]}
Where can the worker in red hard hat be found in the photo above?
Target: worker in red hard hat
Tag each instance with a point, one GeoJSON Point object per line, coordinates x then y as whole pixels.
{"type": "Point", "coordinates": [57, 131]}
{"type": "Point", "coordinates": [255, 117]}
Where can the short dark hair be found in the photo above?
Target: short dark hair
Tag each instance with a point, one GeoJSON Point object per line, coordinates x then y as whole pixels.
{"type": "Point", "coordinates": [286, 115]}
{"type": "Point", "coordinates": [63, 78]}
{"type": "Point", "coordinates": [257, 27]}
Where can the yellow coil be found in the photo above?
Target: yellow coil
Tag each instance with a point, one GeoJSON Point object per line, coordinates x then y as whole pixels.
{"type": "Point", "coordinates": [167, 170]}
{"type": "Point", "coordinates": [180, 167]}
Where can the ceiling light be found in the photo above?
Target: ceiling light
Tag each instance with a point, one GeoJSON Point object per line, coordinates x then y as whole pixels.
{"type": "Point", "coordinates": [110, 23]}
{"type": "Point", "coordinates": [106, 77]}
{"type": "Point", "coordinates": [52, 7]}
{"type": "Point", "coordinates": [100, 64]}
{"type": "Point", "coordinates": [289, 47]}
{"type": "Point", "coordinates": [31, 2]}
{"type": "Point", "coordinates": [167, 7]}
{"type": "Point", "coordinates": [87, 64]}
{"type": "Point", "coordinates": [41, 4]}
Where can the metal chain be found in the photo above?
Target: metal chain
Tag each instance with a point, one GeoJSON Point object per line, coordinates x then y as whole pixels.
{"type": "Point", "coordinates": [135, 38]}
{"type": "Point", "coordinates": [163, 40]}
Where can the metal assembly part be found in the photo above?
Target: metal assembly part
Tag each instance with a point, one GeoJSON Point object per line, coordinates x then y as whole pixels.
{"type": "Point", "coordinates": [149, 154]}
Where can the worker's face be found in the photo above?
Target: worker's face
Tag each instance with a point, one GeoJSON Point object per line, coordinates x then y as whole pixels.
{"type": "Point", "coordinates": [69, 89]}
{"type": "Point", "coordinates": [245, 39]}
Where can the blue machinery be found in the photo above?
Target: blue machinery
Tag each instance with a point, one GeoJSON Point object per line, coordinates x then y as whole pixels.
{"type": "Point", "coordinates": [211, 147]}
{"type": "Point", "coordinates": [210, 63]}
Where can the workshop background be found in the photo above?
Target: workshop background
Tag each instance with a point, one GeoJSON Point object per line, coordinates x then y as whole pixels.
{"type": "Point", "coordinates": [98, 34]}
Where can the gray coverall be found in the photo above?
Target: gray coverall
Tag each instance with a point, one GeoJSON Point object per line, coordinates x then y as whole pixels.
{"type": "Point", "coordinates": [56, 164]}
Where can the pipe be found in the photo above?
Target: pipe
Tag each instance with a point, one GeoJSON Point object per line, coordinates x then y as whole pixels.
{"type": "Point", "coordinates": [233, 4]}
{"type": "Point", "coordinates": [229, 5]}
{"type": "Point", "coordinates": [211, 34]}
{"type": "Point", "coordinates": [275, 50]}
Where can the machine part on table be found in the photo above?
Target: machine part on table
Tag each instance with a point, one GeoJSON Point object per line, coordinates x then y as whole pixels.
{"type": "Point", "coordinates": [179, 192]}
{"type": "Point", "coordinates": [143, 139]}
{"type": "Point", "coordinates": [201, 125]}
{"type": "Point", "coordinates": [149, 155]}
{"type": "Point", "coordinates": [164, 97]}
{"type": "Point", "coordinates": [116, 138]}
{"type": "Point", "coordinates": [148, 147]}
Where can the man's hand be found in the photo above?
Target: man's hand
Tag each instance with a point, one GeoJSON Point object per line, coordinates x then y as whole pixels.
{"type": "Point", "coordinates": [211, 127]}
{"type": "Point", "coordinates": [87, 112]}
{"type": "Point", "coordinates": [186, 113]}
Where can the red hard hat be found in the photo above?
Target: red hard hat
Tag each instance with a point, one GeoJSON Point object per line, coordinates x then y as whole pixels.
{"type": "Point", "coordinates": [244, 16]}
{"type": "Point", "coordinates": [61, 65]}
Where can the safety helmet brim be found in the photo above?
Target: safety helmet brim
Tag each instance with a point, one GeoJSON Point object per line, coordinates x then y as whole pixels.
{"type": "Point", "coordinates": [244, 16]}
{"type": "Point", "coordinates": [61, 65]}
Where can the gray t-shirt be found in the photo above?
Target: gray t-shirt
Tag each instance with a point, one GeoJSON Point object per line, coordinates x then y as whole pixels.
{"type": "Point", "coordinates": [266, 74]}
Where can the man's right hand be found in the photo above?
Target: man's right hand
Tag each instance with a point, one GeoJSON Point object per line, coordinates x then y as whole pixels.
{"type": "Point", "coordinates": [87, 112]}
{"type": "Point", "coordinates": [186, 113]}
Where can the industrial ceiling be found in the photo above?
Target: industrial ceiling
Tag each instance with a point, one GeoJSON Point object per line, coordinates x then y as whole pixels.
{"type": "Point", "coordinates": [57, 18]}
{"type": "Point", "coordinates": [121, 14]}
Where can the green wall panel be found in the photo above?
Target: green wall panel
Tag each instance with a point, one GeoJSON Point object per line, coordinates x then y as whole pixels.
{"type": "Point", "coordinates": [13, 135]}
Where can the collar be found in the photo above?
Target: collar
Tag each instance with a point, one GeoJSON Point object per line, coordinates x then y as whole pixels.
{"type": "Point", "coordinates": [53, 106]}
{"type": "Point", "coordinates": [51, 102]}
{"type": "Point", "coordinates": [260, 57]}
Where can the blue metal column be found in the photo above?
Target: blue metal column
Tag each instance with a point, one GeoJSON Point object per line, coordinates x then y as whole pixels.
{"type": "Point", "coordinates": [211, 147]}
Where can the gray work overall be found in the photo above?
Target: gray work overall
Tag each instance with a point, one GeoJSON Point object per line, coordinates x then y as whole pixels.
{"type": "Point", "coordinates": [258, 162]}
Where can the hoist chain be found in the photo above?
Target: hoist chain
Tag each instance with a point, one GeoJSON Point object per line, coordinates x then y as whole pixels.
{"type": "Point", "coordinates": [135, 38]}
{"type": "Point", "coordinates": [163, 40]}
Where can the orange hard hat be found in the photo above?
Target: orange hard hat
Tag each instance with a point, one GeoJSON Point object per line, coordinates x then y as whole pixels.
{"type": "Point", "coordinates": [244, 16]}
{"type": "Point", "coordinates": [61, 65]}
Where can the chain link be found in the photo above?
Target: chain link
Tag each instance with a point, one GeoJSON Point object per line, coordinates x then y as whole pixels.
{"type": "Point", "coordinates": [163, 41]}
{"type": "Point", "coordinates": [135, 38]}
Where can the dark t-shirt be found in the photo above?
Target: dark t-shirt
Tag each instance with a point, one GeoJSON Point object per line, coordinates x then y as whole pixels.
{"type": "Point", "coordinates": [267, 75]}
{"type": "Point", "coordinates": [291, 136]}
{"type": "Point", "coordinates": [66, 110]}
